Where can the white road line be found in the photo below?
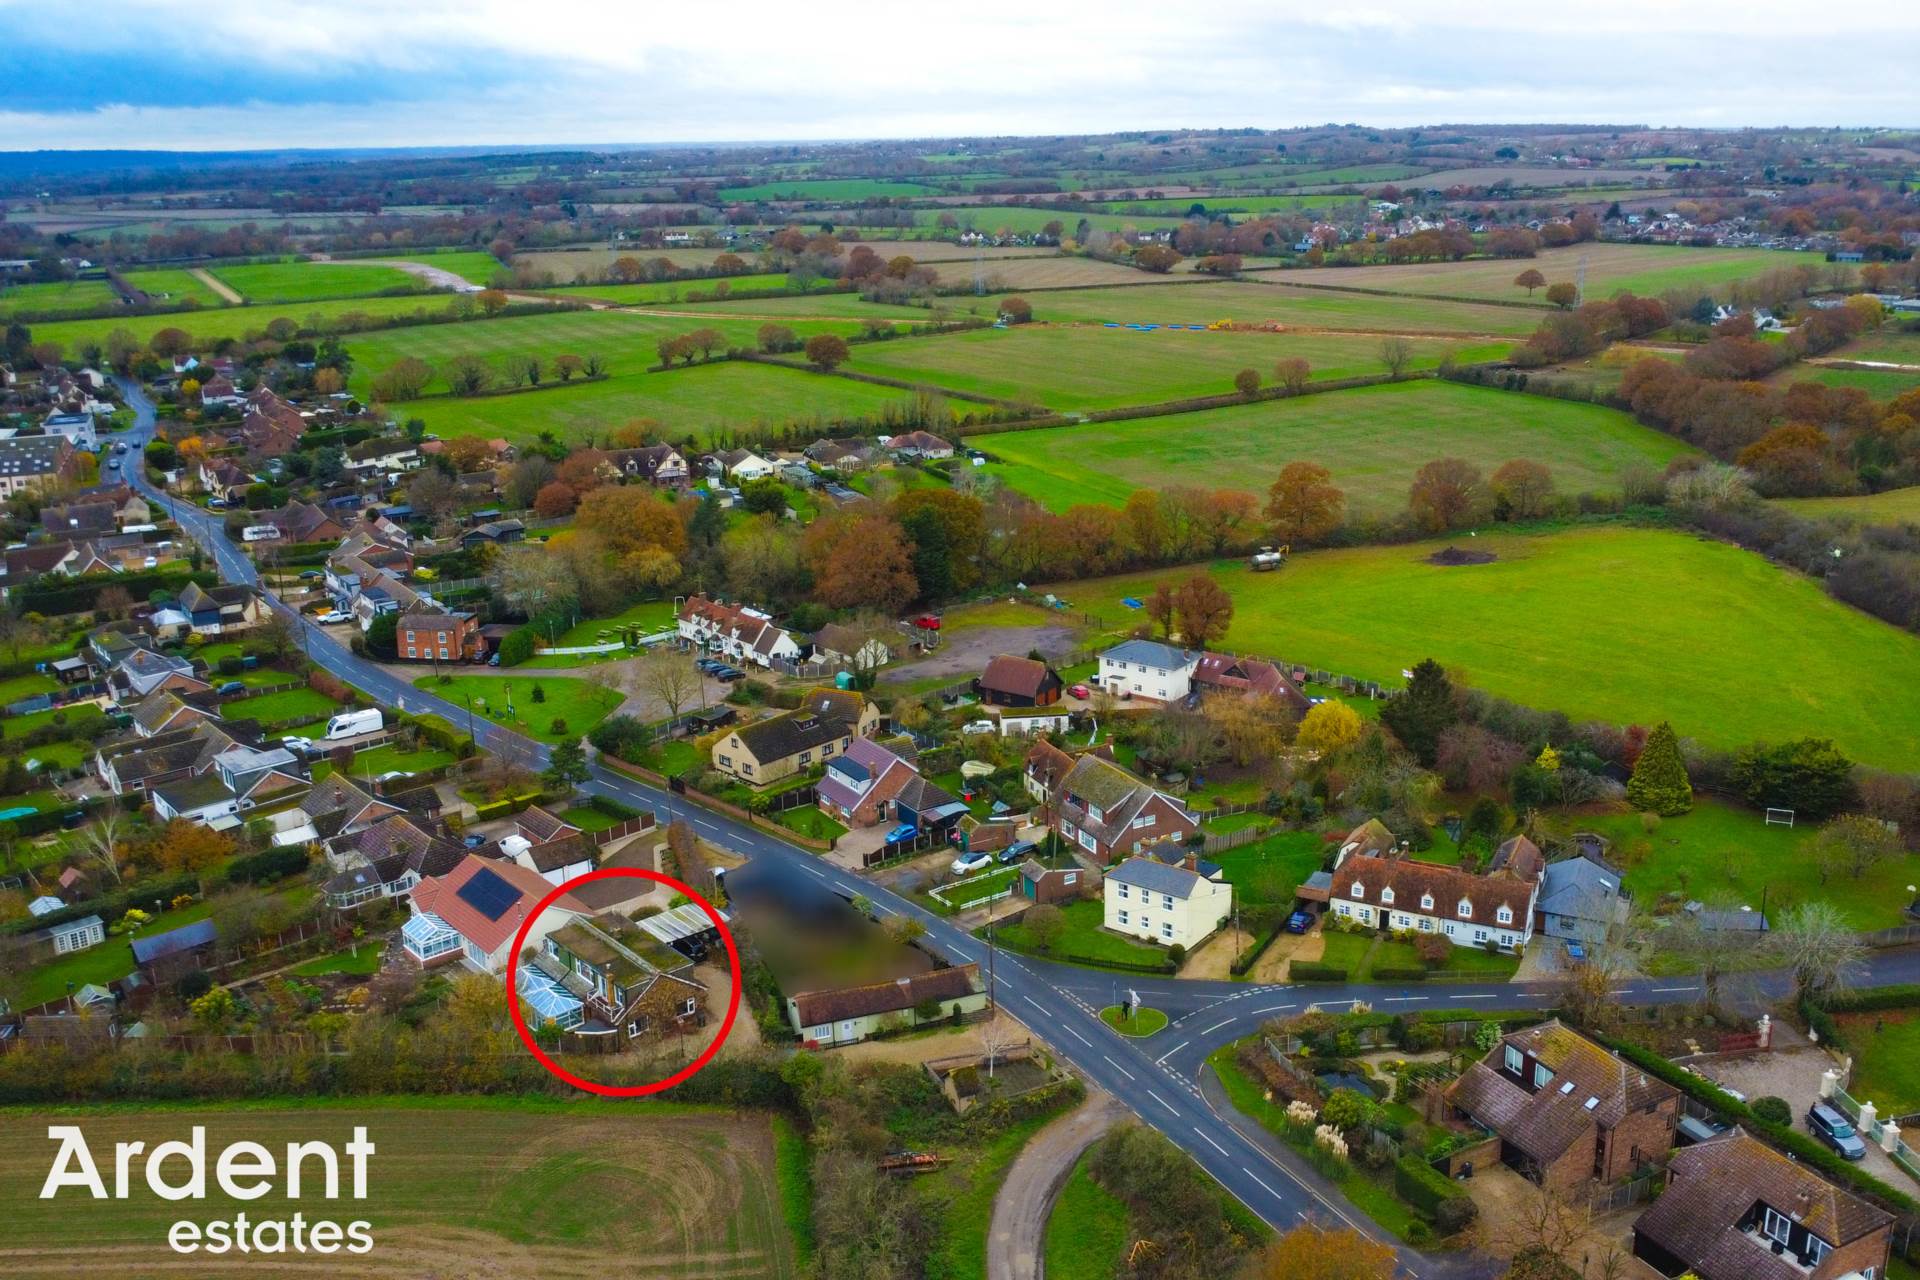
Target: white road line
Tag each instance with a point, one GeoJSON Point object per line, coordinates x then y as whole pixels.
{"type": "Point", "coordinates": [1661, 991]}
{"type": "Point", "coordinates": [1473, 997]}
{"type": "Point", "coordinates": [1210, 1142]}
{"type": "Point", "coordinates": [1169, 1053]}
{"type": "Point", "coordinates": [1278, 1007]}
{"type": "Point", "coordinates": [1076, 1035]}
{"type": "Point", "coordinates": [1404, 999]}
{"type": "Point", "coordinates": [1162, 1101]}
{"type": "Point", "coordinates": [1117, 1067]}
{"type": "Point", "coordinates": [1035, 1003]}
{"type": "Point", "coordinates": [1262, 1181]}
{"type": "Point", "coordinates": [1215, 1027]}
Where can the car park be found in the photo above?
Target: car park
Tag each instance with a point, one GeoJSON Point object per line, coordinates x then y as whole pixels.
{"type": "Point", "coordinates": [969, 862]}
{"type": "Point", "coordinates": [1825, 1122]}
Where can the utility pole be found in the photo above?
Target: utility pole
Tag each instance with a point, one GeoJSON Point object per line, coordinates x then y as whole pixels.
{"type": "Point", "coordinates": [993, 1007]}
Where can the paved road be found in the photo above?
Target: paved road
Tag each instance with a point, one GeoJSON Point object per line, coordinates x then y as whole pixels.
{"type": "Point", "coordinates": [1159, 1079]}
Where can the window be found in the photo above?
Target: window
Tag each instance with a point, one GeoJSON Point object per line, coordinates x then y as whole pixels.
{"type": "Point", "coordinates": [1466, 909]}
{"type": "Point", "coordinates": [1123, 891]}
{"type": "Point", "coordinates": [1504, 915]}
{"type": "Point", "coordinates": [1426, 923]}
{"type": "Point", "coordinates": [1777, 1226]}
{"type": "Point", "coordinates": [1386, 896]}
{"type": "Point", "coordinates": [1146, 922]}
{"type": "Point", "coordinates": [1512, 1060]}
{"type": "Point", "coordinates": [726, 762]}
{"type": "Point", "coordinates": [686, 1006]}
{"type": "Point", "coordinates": [1426, 902]}
{"type": "Point", "coordinates": [1359, 890]}
{"type": "Point", "coordinates": [806, 757]}
{"type": "Point", "coordinates": [1479, 935]}
{"type": "Point", "coordinates": [1166, 930]}
{"type": "Point", "coordinates": [1816, 1250]}
{"type": "Point", "coordinates": [1123, 917]}
{"type": "Point", "coordinates": [1450, 928]}
{"type": "Point", "coordinates": [1166, 901]}
{"type": "Point", "coordinates": [1541, 1075]}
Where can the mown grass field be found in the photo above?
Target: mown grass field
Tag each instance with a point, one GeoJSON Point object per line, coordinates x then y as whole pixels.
{"type": "Point", "coordinates": [1885, 1046]}
{"type": "Point", "coordinates": [1087, 1231]}
{"type": "Point", "coordinates": [994, 219]}
{"type": "Point", "coordinates": [624, 341]}
{"type": "Point", "coordinates": [1181, 301]}
{"type": "Point", "coordinates": [511, 701]}
{"type": "Point", "coordinates": [826, 189]}
{"type": "Point", "coordinates": [263, 282]}
{"type": "Point", "coordinates": [471, 265]}
{"type": "Point", "coordinates": [1078, 368]}
{"type": "Point", "coordinates": [1881, 384]}
{"type": "Point", "coordinates": [56, 298]}
{"type": "Point", "coordinates": [1637, 268]}
{"type": "Point", "coordinates": [686, 401]}
{"type": "Point", "coordinates": [512, 1189]}
{"type": "Point", "coordinates": [670, 292]}
{"type": "Point", "coordinates": [175, 285]}
{"type": "Point", "coordinates": [1895, 506]}
{"type": "Point", "coordinates": [1616, 623]}
{"type": "Point", "coordinates": [210, 325]}
{"type": "Point", "coordinates": [1373, 439]}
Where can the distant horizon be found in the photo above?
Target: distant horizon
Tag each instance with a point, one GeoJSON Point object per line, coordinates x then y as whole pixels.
{"type": "Point", "coordinates": [358, 74]}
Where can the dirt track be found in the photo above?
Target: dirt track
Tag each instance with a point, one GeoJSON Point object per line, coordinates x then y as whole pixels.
{"type": "Point", "coordinates": [1016, 1238]}
{"type": "Point", "coordinates": [967, 652]}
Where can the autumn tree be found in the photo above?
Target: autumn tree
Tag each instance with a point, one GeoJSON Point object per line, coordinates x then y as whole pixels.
{"type": "Point", "coordinates": [861, 561]}
{"type": "Point", "coordinates": [1303, 505]}
{"type": "Point", "coordinates": [1253, 728]}
{"type": "Point", "coordinates": [555, 498]}
{"type": "Point", "coordinates": [492, 301]}
{"type": "Point", "coordinates": [774, 338]}
{"type": "Point", "coordinates": [1157, 258]}
{"type": "Point", "coordinates": [567, 366]}
{"type": "Point", "coordinates": [1293, 373]}
{"type": "Point", "coordinates": [1446, 493]}
{"type": "Point", "coordinates": [1247, 381]}
{"type": "Point", "coordinates": [1313, 1252]}
{"type": "Point", "coordinates": [1016, 310]}
{"type": "Point", "coordinates": [187, 846]}
{"type": "Point", "coordinates": [1329, 728]}
{"type": "Point", "coordinates": [1853, 843]}
{"type": "Point", "coordinates": [468, 375]}
{"type": "Point", "coordinates": [170, 343]}
{"type": "Point", "coordinates": [1396, 353]}
{"type": "Point", "coordinates": [1160, 608]}
{"type": "Point", "coordinates": [1522, 489]}
{"type": "Point", "coordinates": [1530, 279]}
{"type": "Point", "coordinates": [1204, 609]}
{"type": "Point", "coordinates": [1562, 295]}
{"type": "Point", "coordinates": [827, 351]}
{"type": "Point", "coordinates": [631, 518]}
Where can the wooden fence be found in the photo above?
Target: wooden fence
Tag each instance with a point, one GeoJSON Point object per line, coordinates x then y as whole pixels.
{"type": "Point", "coordinates": [620, 831]}
{"type": "Point", "coordinates": [678, 787]}
{"type": "Point", "coordinates": [1234, 839]}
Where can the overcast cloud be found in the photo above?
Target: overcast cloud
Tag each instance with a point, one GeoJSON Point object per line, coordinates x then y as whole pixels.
{"type": "Point", "coordinates": [267, 73]}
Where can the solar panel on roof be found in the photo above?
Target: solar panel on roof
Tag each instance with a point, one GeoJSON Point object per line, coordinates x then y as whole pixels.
{"type": "Point", "coordinates": [488, 894]}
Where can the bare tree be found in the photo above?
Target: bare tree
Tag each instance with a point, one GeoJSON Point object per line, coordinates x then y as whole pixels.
{"type": "Point", "coordinates": [1396, 353]}
{"type": "Point", "coordinates": [1715, 953]}
{"type": "Point", "coordinates": [994, 1041]}
{"type": "Point", "coordinates": [99, 844]}
{"type": "Point", "coordinates": [1816, 942]}
{"type": "Point", "coordinates": [670, 677]}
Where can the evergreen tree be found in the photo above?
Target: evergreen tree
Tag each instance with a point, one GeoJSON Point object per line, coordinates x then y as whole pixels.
{"type": "Point", "coordinates": [566, 767]}
{"type": "Point", "coordinates": [1659, 780]}
{"type": "Point", "coordinates": [1419, 716]}
{"type": "Point", "coordinates": [932, 552]}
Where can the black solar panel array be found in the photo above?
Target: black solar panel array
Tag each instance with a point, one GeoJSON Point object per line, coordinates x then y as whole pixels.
{"type": "Point", "coordinates": [488, 894]}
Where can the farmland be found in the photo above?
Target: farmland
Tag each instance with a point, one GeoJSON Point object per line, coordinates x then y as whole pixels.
{"type": "Point", "coordinates": [825, 189]}
{"type": "Point", "coordinates": [1642, 269]}
{"type": "Point", "coordinates": [1081, 368]}
{"type": "Point", "coordinates": [1895, 506]}
{"type": "Point", "coordinates": [211, 325]}
{"type": "Point", "coordinates": [1373, 439]}
{"type": "Point", "coordinates": [175, 285]}
{"type": "Point", "coordinates": [1603, 623]}
{"type": "Point", "coordinates": [1257, 302]}
{"type": "Point", "coordinates": [261, 282]}
{"type": "Point", "coordinates": [687, 402]}
{"type": "Point", "coordinates": [462, 1188]}
{"type": "Point", "coordinates": [56, 298]}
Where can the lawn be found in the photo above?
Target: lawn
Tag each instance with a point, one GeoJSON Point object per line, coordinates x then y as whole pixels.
{"type": "Point", "coordinates": [1895, 506]}
{"type": "Point", "coordinates": [1083, 941]}
{"type": "Point", "coordinates": [810, 822]}
{"type": "Point", "coordinates": [982, 885]}
{"type": "Point", "coordinates": [1087, 1230]}
{"type": "Point", "coordinates": [1270, 869]}
{"type": "Point", "coordinates": [1610, 268]}
{"type": "Point", "coordinates": [174, 285]}
{"type": "Point", "coordinates": [580, 703]}
{"type": "Point", "coordinates": [457, 1186]}
{"type": "Point", "coordinates": [1885, 1045]}
{"type": "Point", "coordinates": [703, 398]}
{"type": "Point", "coordinates": [1261, 301]}
{"type": "Point", "coordinates": [278, 708]}
{"type": "Point", "coordinates": [1719, 851]}
{"type": "Point", "coordinates": [387, 758]}
{"type": "Point", "coordinates": [58, 297]}
{"type": "Point", "coordinates": [1881, 384]}
{"type": "Point", "coordinates": [1080, 368]}
{"type": "Point", "coordinates": [208, 326]}
{"type": "Point", "coordinates": [1728, 647]}
{"type": "Point", "coordinates": [265, 282]}
{"type": "Point", "coordinates": [648, 616]}
{"type": "Point", "coordinates": [960, 1197]}
{"type": "Point", "coordinates": [1141, 1024]}
{"type": "Point", "coordinates": [14, 688]}
{"type": "Point", "coordinates": [1373, 439]}
{"type": "Point", "coordinates": [102, 964]}
{"type": "Point", "coordinates": [360, 962]}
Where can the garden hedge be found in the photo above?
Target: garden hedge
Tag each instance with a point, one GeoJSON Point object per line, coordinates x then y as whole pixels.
{"type": "Point", "coordinates": [1421, 1186]}
{"type": "Point", "coordinates": [1308, 971]}
{"type": "Point", "coordinates": [1388, 974]}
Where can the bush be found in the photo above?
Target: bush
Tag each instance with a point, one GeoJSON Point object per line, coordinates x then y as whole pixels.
{"type": "Point", "coordinates": [558, 726]}
{"type": "Point", "coordinates": [1421, 1186]}
{"type": "Point", "coordinates": [231, 665]}
{"type": "Point", "coordinates": [1390, 974]}
{"type": "Point", "coordinates": [268, 866]}
{"type": "Point", "coordinates": [1773, 1110]}
{"type": "Point", "coordinates": [517, 647]}
{"type": "Point", "coordinates": [1307, 971]}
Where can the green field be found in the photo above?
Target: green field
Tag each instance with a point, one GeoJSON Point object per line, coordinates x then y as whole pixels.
{"type": "Point", "coordinates": [1270, 869]}
{"type": "Point", "coordinates": [1885, 1045]}
{"type": "Point", "coordinates": [1019, 220]}
{"type": "Point", "coordinates": [210, 325]}
{"type": "Point", "coordinates": [649, 615]}
{"type": "Point", "coordinates": [1881, 384]}
{"type": "Point", "coordinates": [1610, 268]}
{"type": "Point", "coordinates": [1075, 369]}
{"type": "Point", "coordinates": [1622, 624]}
{"type": "Point", "coordinates": [1083, 939]}
{"type": "Point", "coordinates": [458, 1187]}
{"type": "Point", "coordinates": [267, 282]}
{"type": "Point", "coordinates": [671, 292]}
{"type": "Point", "coordinates": [471, 265]}
{"type": "Point", "coordinates": [1087, 1230]}
{"type": "Point", "coordinates": [60, 297]}
{"type": "Point", "coordinates": [1374, 439]}
{"type": "Point", "coordinates": [175, 285]}
{"type": "Point", "coordinates": [1259, 302]}
{"type": "Point", "coordinates": [686, 402]}
{"type": "Point", "coordinates": [509, 700]}
{"type": "Point", "coordinates": [1895, 506]}
{"type": "Point", "coordinates": [825, 189]}
{"type": "Point", "coordinates": [1232, 202]}
{"type": "Point", "coordinates": [288, 704]}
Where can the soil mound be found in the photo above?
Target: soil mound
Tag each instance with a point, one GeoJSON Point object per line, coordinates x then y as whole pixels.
{"type": "Point", "coordinates": [1455, 556]}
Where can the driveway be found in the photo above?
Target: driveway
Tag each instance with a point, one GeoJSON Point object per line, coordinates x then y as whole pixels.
{"type": "Point", "coordinates": [1017, 1235]}
{"type": "Point", "coordinates": [1794, 1075]}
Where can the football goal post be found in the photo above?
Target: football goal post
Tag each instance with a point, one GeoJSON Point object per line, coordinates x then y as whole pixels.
{"type": "Point", "coordinates": [1779, 817]}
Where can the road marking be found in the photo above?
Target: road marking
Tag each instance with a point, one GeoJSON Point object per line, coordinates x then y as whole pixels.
{"type": "Point", "coordinates": [1404, 999]}
{"type": "Point", "coordinates": [1487, 997]}
{"type": "Point", "coordinates": [1169, 1053]}
{"type": "Point", "coordinates": [1035, 1003]}
{"type": "Point", "coordinates": [1215, 1027]}
{"type": "Point", "coordinates": [813, 871]}
{"type": "Point", "coordinates": [1076, 1035]}
{"type": "Point", "coordinates": [1661, 991]}
{"type": "Point", "coordinates": [1117, 1067]}
{"type": "Point", "coordinates": [1162, 1101]}
{"type": "Point", "coordinates": [1210, 1142]}
{"type": "Point", "coordinates": [1278, 1007]}
{"type": "Point", "coordinates": [1262, 1181]}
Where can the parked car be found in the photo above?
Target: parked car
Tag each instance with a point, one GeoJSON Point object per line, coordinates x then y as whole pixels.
{"type": "Point", "coordinates": [905, 831]}
{"type": "Point", "coordinates": [1016, 852]}
{"type": "Point", "coordinates": [308, 575]}
{"type": "Point", "coordinates": [708, 665]}
{"type": "Point", "coordinates": [331, 617]}
{"type": "Point", "coordinates": [968, 862]}
{"type": "Point", "coordinates": [296, 744]}
{"type": "Point", "coordinates": [1080, 691]}
{"type": "Point", "coordinates": [494, 661]}
{"type": "Point", "coordinates": [231, 687]}
{"type": "Point", "coordinates": [727, 675]}
{"type": "Point", "coordinates": [393, 776]}
{"type": "Point", "coordinates": [1827, 1124]}
{"type": "Point", "coordinates": [928, 622]}
{"type": "Point", "coordinates": [1300, 922]}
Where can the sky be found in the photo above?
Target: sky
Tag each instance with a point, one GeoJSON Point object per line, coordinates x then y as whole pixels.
{"type": "Point", "coordinates": [229, 75]}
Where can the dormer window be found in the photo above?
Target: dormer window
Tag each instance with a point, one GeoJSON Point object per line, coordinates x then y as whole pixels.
{"type": "Point", "coordinates": [1426, 902]}
{"type": "Point", "coordinates": [1386, 896]}
{"type": "Point", "coordinates": [1504, 915]}
{"type": "Point", "coordinates": [1466, 908]}
{"type": "Point", "coordinates": [1359, 890]}
{"type": "Point", "coordinates": [1513, 1060]}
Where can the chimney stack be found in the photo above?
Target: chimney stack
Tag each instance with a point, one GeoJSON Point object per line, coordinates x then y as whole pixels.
{"type": "Point", "coordinates": [1192, 861]}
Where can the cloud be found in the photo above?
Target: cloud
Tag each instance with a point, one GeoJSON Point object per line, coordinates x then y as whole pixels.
{"type": "Point", "coordinates": [483, 72]}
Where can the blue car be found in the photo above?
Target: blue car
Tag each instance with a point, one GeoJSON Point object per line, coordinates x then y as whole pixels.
{"type": "Point", "coordinates": [1831, 1127]}
{"type": "Point", "coordinates": [905, 831]}
{"type": "Point", "coordinates": [1300, 922]}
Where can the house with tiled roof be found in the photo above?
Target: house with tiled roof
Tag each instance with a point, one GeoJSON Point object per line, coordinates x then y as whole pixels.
{"type": "Point", "coordinates": [780, 746]}
{"type": "Point", "coordinates": [919, 444]}
{"type": "Point", "coordinates": [473, 912]}
{"type": "Point", "coordinates": [439, 637]}
{"type": "Point", "coordinates": [1566, 1109]}
{"type": "Point", "coordinates": [34, 462]}
{"type": "Point", "coordinates": [1581, 899]}
{"type": "Point", "coordinates": [224, 479]}
{"type": "Point", "coordinates": [222, 609]}
{"type": "Point", "coordinates": [1169, 903]}
{"type": "Point", "coordinates": [623, 981]}
{"type": "Point", "coordinates": [860, 784]}
{"type": "Point", "coordinates": [339, 806]}
{"type": "Point", "coordinates": [1220, 673]}
{"type": "Point", "coordinates": [847, 1015]}
{"type": "Point", "coordinates": [303, 522]}
{"type": "Point", "coordinates": [132, 763]}
{"type": "Point", "coordinates": [1111, 814]}
{"type": "Point", "coordinates": [737, 632]}
{"type": "Point", "coordinates": [855, 650]}
{"type": "Point", "coordinates": [660, 464]}
{"type": "Point", "coordinates": [1147, 669]}
{"type": "Point", "coordinates": [164, 711]}
{"type": "Point", "coordinates": [1013, 681]}
{"type": "Point", "coordinates": [1383, 888]}
{"type": "Point", "coordinates": [549, 844]}
{"type": "Point", "coordinates": [388, 859]}
{"type": "Point", "coordinates": [1736, 1209]}
{"type": "Point", "coordinates": [847, 705]}
{"type": "Point", "coordinates": [142, 671]}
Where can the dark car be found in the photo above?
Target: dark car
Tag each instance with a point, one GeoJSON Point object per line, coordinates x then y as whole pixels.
{"type": "Point", "coordinates": [231, 687]}
{"type": "Point", "coordinates": [1018, 851]}
{"type": "Point", "coordinates": [1300, 922]}
{"type": "Point", "coordinates": [727, 675]}
{"type": "Point", "coordinates": [708, 665]}
{"type": "Point", "coordinates": [1827, 1124]}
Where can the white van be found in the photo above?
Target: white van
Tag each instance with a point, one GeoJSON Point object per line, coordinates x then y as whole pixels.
{"type": "Point", "coordinates": [351, 724]}
{"type": "Point", "coordinates": [259, 533]}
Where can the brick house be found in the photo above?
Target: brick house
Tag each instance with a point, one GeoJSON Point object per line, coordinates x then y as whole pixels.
{"type": "Point", "coordinates": [861, 782]}
{"type": "Point", "coordinates": [1565, 1109]}
{"type": "Point", "coordinates": [1111, 814]}
{"type": "Point", "coordinates": [1388, 890]}
{"type": "Point", "coordinates": [1011, 681]}
{"type": "Point", "coordinates": [445, 637]}
{"type": "Point", "coordinates": [1736, 1209]}
{"type": "Point", "coordinates": [1040, 884]}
